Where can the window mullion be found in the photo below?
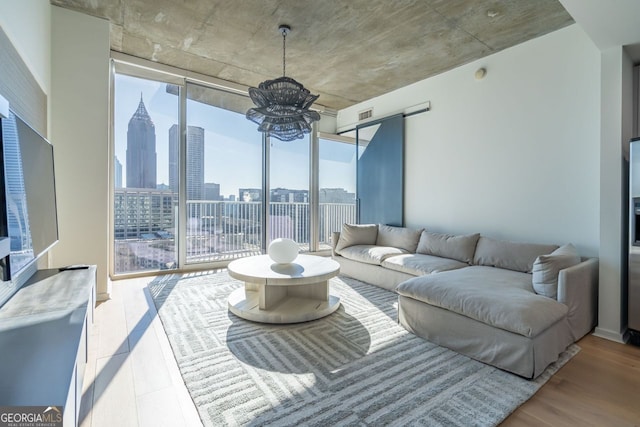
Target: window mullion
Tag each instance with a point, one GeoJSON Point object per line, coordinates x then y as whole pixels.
{"type": "Point", "coordinates": [314, 191]}
{"type": "Point", "coordinates": [266, 189]}
{"type": "Point", "coordinates": [181, 226]}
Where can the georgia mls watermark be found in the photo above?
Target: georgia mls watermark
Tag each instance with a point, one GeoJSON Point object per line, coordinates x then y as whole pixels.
{"type": "Point", "coordinates": [30, 416]}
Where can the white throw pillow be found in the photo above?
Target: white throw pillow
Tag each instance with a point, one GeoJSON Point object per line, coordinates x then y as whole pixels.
{"type": "Point", "coordinates": [398, 237]}
{"type": "Point", "coordinates": [547, 267]}
{"type": "Point", "coordinates": [357, 234]}
{"type": "Point", "coordinates": [514, 256]}
{"type": "Point", "coordinates": [460, 248]}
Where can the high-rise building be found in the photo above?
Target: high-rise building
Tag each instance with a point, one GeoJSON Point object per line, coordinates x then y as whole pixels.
{"type": "Point", "coordinates": [195, 161]}
{"type": "Point", "coordinates": [141, 150]}
{"type": "Point", "coordinates": [212, 191]}
{"type": "Point", "coordinates": [144, 229]}
{"type": "Point", "coordinates": [117, 173]}
{"type": "Point", "coordinates": [143, 214]}
{"type": "Point", "coordinates": [174, 155]}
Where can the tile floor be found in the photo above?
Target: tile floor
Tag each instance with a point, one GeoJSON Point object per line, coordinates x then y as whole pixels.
{"type": "Point", "coordinates": [132, 378]}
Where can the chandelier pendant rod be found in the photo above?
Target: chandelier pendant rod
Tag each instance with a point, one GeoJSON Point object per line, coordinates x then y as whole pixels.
{"type": "Point", "coordinates": [284, 30]}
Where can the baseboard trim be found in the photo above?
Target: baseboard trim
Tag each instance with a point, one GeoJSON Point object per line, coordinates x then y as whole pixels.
{"type": "Point", "coordinates": [610, 335]}
{"type": "Point", "coordinates": [103, 296]}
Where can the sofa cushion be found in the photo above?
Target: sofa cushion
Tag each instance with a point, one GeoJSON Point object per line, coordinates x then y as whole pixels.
{"type": "Point", "coordinates": [460, 248]}
{"type": "Point", "coordinates": [419, 264]}
{"type": "Point", "coordinates": [398, 237]}
{"type": "Point", "coordinates": [370, 254]}
{"type": "Point", "coordinates": [500, 298]}
{"type": "Point", "coordinates": [510, 255]}
{"type": "Point", "coordinates": [357, 234]}
{"type": "Point", "coordinates": [547, 267]}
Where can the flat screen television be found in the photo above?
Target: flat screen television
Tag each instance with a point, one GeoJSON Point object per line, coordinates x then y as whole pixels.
{"type": "Point", "coordinates": [28, 213]}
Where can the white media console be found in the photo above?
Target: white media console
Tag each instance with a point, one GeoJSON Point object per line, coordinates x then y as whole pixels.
{"type": "Point", "coordinates": [44, 333]}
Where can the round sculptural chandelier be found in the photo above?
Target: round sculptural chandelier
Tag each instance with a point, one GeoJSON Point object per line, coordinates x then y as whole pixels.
{"type": "Point", "coordinates": [282, 105]}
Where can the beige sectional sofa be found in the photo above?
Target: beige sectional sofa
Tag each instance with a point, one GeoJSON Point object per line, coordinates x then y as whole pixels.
{"type": "Point", "coordinates": [516, 306]}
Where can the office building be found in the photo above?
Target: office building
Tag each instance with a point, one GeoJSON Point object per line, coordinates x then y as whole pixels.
{"type": "Point", "coordinates": [195, 161]}
{"type": "Point", "coordinates": [212, 191]}
{"type": "Point", "coordinates": [117, 175]}
{"type": "Point", "coordinates": [141, 149]}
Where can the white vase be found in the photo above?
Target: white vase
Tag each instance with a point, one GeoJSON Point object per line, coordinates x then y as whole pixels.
{"type": "Point", "coordinates": [283, 251]}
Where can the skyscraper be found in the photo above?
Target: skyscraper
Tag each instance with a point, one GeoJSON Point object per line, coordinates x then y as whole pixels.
{"type": "Point", "coordinates": [195, 161]}
{"type": "Point", "coordinates": [117, 179]}
{"type": "Point", "coordinates": [174, 154]}
{"type": "Point", "coordinates": [141, 150]}
{"type": "Point", "coordinates": [212, 191]}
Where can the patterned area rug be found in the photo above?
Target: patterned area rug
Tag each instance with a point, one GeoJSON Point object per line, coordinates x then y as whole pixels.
{"type": "Point", "coordinates": [356, 366]}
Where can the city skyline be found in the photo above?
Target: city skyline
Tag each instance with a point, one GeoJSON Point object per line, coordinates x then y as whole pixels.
{"type": "Point", "coordinates": [225, 209]}
{"type": "Point", "coordinates": [232, 145]}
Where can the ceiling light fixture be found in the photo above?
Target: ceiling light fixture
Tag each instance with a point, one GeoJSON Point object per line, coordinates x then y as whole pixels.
{"type": "Point", "coordinates": [282, 105]}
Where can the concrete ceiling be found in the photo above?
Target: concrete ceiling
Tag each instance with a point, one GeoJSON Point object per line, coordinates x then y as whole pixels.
{"type": "Point", "coordinates": [347, 51]}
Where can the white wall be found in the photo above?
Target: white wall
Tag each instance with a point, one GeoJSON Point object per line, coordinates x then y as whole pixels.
{"type": "Point", "coordinates": [513, 156]}
{"type": "Point", "coordinates": [608, 23]}
{"type": "Point", "coordinates": [80, 133]}
{"type": "Point", "coordinates": [616, 129]}
{"type": "Point", "coordinates": [27, 23]}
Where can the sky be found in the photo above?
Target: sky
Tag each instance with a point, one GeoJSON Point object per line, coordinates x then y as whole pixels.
{"type": "Point", "coordinates": [233, 154]}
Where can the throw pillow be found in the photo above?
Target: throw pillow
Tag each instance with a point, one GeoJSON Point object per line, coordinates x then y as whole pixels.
{"type": "Point", "coordinates": [547, 267]}
{"type": "Point", "coordinates": [460, 248]}
{"type": "Point", "coordinates": [357, 234]}
{"type": "Point", "coordinates": [509, 255]}
{"type": "Point", "coordinates": [398, 237]}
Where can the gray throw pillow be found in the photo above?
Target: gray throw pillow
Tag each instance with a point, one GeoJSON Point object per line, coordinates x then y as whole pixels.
{"type": "Point", "coordinates": [398, 237]}
{"type": "Point", "coordinates": [357, 234]}
{"type": "Point", "coordinates": [460, 248]}
{"type": "Point", "coordinates": [509, 255]}
{"type": "Point", "coordinates": [547, 267]}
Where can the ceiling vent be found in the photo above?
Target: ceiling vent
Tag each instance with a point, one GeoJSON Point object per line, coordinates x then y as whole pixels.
{"type": "Point", "coordinates": [365, 114]}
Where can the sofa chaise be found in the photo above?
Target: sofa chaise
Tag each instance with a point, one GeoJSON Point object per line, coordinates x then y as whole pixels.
{"type": "Point", "coordinates": [512, 305]}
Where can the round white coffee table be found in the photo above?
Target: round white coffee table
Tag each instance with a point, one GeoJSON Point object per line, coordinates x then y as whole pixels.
{"type": "Point", "coordinates": [283, 293]}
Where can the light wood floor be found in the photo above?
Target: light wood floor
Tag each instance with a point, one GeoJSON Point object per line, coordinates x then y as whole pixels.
{"type": "Point", "coordinates": [132, 378]}
{"type": "Point", "coordinates": [600, 386]}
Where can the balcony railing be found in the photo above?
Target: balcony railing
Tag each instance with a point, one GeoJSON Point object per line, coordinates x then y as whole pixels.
{"type": "Point", "coordinates": [222, 230]}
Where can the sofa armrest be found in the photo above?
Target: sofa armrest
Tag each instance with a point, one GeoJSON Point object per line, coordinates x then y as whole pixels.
{"type": "Point", "coordinates": [578, 290]}
{"type": "Point", "coordinates": [335, 236]}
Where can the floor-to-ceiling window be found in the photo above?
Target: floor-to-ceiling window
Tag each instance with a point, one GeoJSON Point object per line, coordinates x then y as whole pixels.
{"type": "Point", "coordinates": [196, 184]}
{"type": "Point", "coordinates": [336, 184]}
{"type": "Point", "coordinates": [289, 190]}
{"type": "Point", "coordinates": [224, 194]}
{"type": "Point", "coordinates": [144, 204]}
